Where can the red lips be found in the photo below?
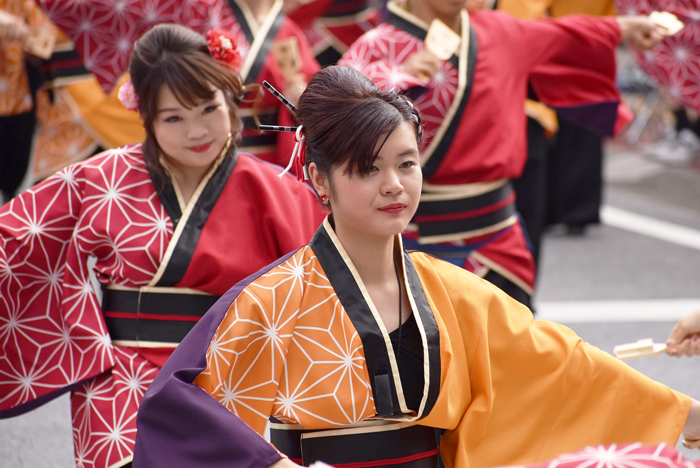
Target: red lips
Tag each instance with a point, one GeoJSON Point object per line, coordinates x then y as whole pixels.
{"type": "Point", "coordinates": [200, 148]}
{"type": "Point", "coordinates": [394, 208]}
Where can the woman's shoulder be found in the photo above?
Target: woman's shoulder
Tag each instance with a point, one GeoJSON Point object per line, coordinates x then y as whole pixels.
{"type": "Point", "coordinates": [125, 157]}
{"type": "Point", "coordinates": [103, 166]}
{"type": "Point", "coordinates": [453, 278]}
{"type": "Point", "coordinates": [280, 277]}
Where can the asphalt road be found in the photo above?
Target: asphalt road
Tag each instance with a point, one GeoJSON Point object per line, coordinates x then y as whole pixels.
{"type": "Point", "coordinates": [628, 279]}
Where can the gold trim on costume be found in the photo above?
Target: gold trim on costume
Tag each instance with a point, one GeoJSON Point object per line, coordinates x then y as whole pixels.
{"type": "Point", "coordinates": [398, 7]}
{"type": "Point", "coordinates": [158, 290]}
{"type": "Point", "coordinates": [407, 413]}
{"type": "Point", "coordinates": [356, 430]}
{"type": "Point", "coordinates": [260, 35]}
{"type": "Point", "coordinates": [187, 212]}
{"type": "Point", "coordinates": [507, 274]}
{"type": "Point", "coordinates": [432, 192]}
{"type": "Point", "coordinates": [457, 236]}
{"type": "Point", "coordinates": [255, 150]}
{"type": "Point", "coordinates": [144, 344]}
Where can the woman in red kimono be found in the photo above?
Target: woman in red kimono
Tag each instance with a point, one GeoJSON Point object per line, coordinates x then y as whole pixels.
{"type": "Point", "coordinates": [472, 106]}
{"type": "Point", "coordinates": [166, 227]}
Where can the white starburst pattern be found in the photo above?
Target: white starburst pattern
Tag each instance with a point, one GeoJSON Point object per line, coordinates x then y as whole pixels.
{"type": "Point", "coordinates": [675, 63]}
{"type": "Point", "coordinates": [287, 349]}
{"type": "Point", "coordinates": [621, 456]}
{"type": "Point", "coordinates": [106, 208]}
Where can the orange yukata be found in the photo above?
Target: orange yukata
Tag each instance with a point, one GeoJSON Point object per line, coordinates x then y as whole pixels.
{"type": "Point", "coordinates": [15, 96]}
{"type": "Point", "coordinates": [76, 117]}
{"type": "Point", "coordinates": [302, 344]}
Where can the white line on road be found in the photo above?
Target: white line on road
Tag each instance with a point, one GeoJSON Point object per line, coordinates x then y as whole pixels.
{"type": "Point", "coordinates": [649, 310]}
{"type": "Point", "coordinates": [650, 227]}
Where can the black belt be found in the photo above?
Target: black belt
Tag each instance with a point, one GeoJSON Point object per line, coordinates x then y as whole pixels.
{"type": "Point", "coordinates": [466, 216]}
{"type": "Point", "coordinates": [408, 446]}
{"type": "Point", "coordinates": [152, 316]}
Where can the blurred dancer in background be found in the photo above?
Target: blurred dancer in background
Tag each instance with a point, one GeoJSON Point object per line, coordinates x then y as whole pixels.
{"type": "Point", "coordinates": [472, 105]}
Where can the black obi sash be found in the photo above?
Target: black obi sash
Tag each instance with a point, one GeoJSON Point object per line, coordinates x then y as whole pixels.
{"type": "Point", "coordinates": [368, 445]}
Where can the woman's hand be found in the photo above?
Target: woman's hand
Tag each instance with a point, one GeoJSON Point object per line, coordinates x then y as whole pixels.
{"type": "Point", "coordinates": [685, 336]}
{"type": "Point", "coordinates": [423, 65]}
{"type": "Point", "coordinates": [691, 430]}
{"type": "Point", "coordinates": [12, 28]}
{"type": "Point", "coordinates": [640, 32]}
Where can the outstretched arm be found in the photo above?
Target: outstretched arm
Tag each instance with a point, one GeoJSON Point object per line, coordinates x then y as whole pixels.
{"type": "Point", "coordinates": [639, 32]}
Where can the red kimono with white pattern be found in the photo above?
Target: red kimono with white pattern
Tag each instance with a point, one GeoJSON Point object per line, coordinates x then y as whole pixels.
{"type": "Point", "coordinates": [105, 214]}
{"type": "Point", "coordinates": [570, 63]}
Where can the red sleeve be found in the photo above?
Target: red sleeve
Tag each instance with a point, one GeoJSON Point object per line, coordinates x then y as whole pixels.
{"type": "Point", "coordinates": [571, 65]}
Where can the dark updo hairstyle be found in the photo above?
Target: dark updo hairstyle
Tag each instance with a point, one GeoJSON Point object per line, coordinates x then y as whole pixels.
{"type": "Point", "coordinates": [345, 115]}
{"type": "Point", "coordinates": [179, 58]}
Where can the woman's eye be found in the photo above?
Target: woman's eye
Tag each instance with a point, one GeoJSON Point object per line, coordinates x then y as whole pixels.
{"type": "Point", "coordinates": [173, 118]}
{"type": "Point", "coordinates": [209, 109]}
{"type": "Point", "coordinates": [408, 164]}
{"type": "Point", "coordinates": [373, 169]}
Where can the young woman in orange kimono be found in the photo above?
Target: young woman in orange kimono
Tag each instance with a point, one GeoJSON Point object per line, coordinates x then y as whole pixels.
{"type": "Point", "coordinates": [357, 350]}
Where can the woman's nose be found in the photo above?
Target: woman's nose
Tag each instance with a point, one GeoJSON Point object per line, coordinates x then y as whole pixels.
{"type": "Point", "coordinates": [391, 183]}
{"type": "Point", "coordinates": [196, 131]}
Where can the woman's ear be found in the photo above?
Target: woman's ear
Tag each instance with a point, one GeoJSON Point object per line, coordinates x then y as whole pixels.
{"type": "Point", "coordinates": [319, 181]}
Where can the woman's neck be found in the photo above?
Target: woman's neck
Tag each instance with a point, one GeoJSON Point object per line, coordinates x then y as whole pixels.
{"type": "Point", "coordinates": [259, 8]}
{"type": "Point", "coordinates": [187, 179]}
{"type": "Point", "coordinates": [372, 256]}
{"type": "Point", "coordinates": [423, 10]}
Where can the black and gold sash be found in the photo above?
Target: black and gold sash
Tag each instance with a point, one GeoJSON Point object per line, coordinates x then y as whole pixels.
{"type": "Point", "coordinates": [152, 316]}
{"type": "Point", "coordinates": [369, 444]}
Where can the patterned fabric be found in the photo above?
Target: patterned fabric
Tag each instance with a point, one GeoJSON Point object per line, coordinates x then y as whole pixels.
{"type": "Point", "coordinates": [380, 53]}
{"type": "Point", "coordinates": [621, 456]}
{"type": "Point", "coordinates": [675, 63]}
{"type": "Point", "coordinates": [104, 32]}
{"type": "Point", "coordinates": [52, 327]}
{"type": "Point", "coordinates": [62, 138]}
{"type": "Point", "coordinates": [15, 96]}
{"type": "Point", "coordinates": [571, 65]}
{"type": "Point", "coordinates": [274, 361]}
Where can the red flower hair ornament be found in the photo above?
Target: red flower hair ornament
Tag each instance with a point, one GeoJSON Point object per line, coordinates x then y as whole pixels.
{"type": "Point", "coordinates": [224, 48]}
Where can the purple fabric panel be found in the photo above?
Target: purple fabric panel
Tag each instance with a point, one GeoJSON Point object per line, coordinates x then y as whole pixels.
{"type": "Point", "coordinates": [180, 425]}
{"type": "Point", "coordinates": [599, 118]}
